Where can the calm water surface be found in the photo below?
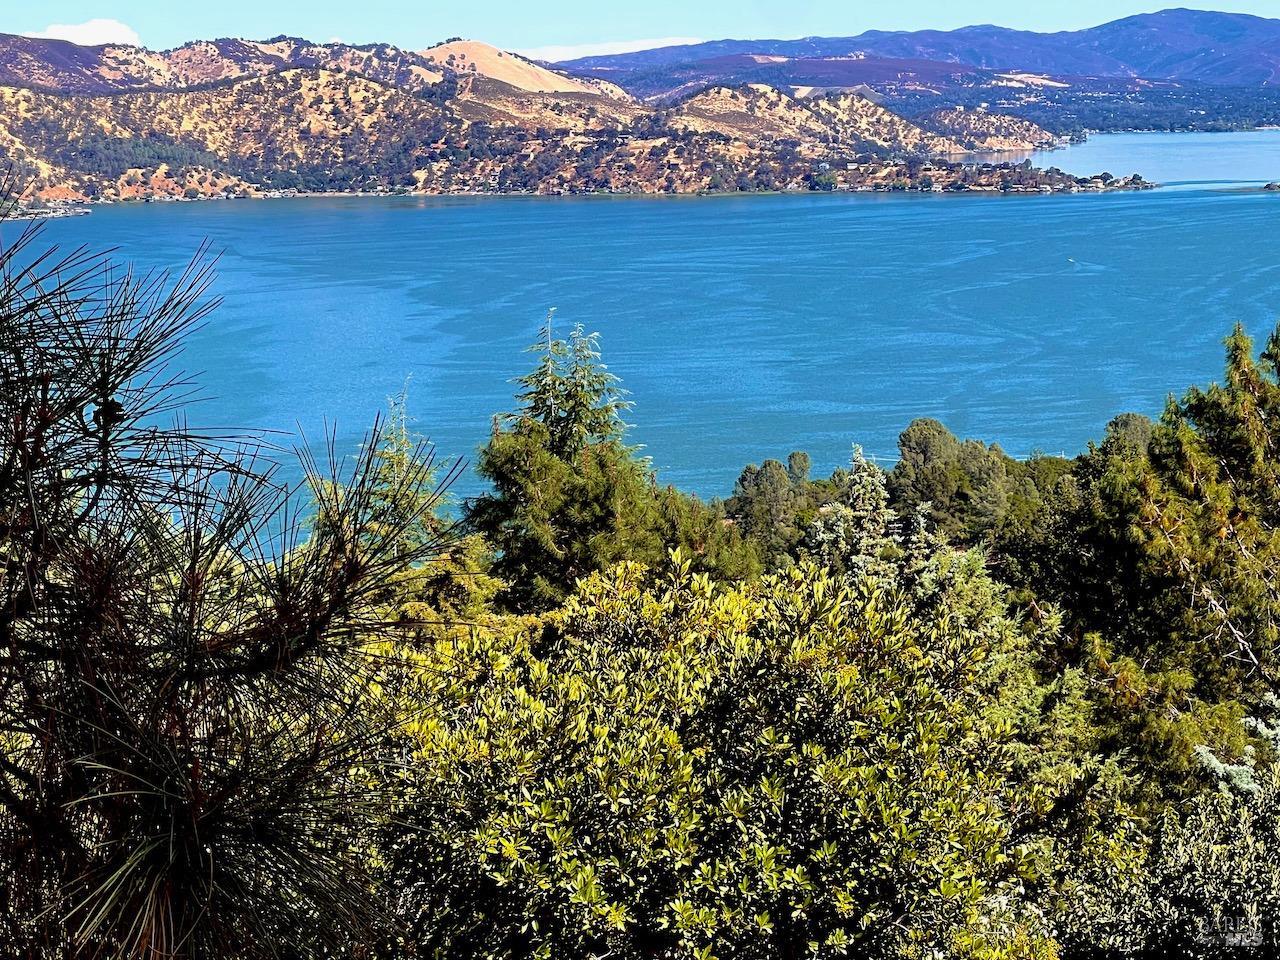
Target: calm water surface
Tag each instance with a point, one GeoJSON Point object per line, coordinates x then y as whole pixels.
{"type": "Point", "coordinates": [1177, 160]}
{"type": "Point", "coordinates": [744, 327]}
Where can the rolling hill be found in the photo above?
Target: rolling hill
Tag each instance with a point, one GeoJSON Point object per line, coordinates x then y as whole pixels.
{"type": "Point", "coordinates": [472, 57]}
{"type": "Point", "coordinates": [234, 117]}
{"type": "Point", "coordinates": [68, 68]}
{"type": "Point", "coordinates": [763, 112]}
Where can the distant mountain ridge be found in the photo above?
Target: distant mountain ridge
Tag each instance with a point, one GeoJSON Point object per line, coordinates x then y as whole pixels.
{"type": "Point", "coordinates": [1193, 46]}
{"type": "Point", "coordinates": [242, 117]}
{"type": "Point", "coordinates": [115, 68]}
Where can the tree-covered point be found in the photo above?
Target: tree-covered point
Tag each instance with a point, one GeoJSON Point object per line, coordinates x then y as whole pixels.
{"type": "Point", "coordinates": [969, 708]}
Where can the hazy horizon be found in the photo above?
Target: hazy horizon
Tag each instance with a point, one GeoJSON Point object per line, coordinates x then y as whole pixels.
{"type": "Point", "coordinates": [556, 29]}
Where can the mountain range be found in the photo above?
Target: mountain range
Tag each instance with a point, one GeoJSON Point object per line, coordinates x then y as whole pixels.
{"type": "Point", "coordinates": [1191, 46]}
{"type": "Point", "coordinates": [240, 117]}
{"type": "Point", "coordinates": [235, 117]}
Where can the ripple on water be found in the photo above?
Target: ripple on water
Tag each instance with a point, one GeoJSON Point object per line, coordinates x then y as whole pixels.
{"type": "Point", "coordinates": [743, 327]}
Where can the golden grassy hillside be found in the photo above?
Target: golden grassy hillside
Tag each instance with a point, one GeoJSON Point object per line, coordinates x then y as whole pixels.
{"type": "Point", "coordinates": [66, 67]}
{"type": "Point", "coordinates": [983, 131]}
{"type": "Point", "coordinates": [761, 112]}
{"type": "Point", "coordinates": [221, 117]}
{"type": "Point", "coordinates": [473, 57]}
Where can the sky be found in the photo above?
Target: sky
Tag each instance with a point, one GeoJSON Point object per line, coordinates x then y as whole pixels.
{"type": "Point", "coordinates": [551, 29]}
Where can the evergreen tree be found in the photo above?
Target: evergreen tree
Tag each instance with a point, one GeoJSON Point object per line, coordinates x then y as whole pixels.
{"type": "Point", "coordinates": [185, 733]}
{"type": "Point", "coordinates": [569, 496]}
{"type": "Point", "coordinates": [410, 487]}
{"type": "Point", "coordinates": [1202, 513]}
{"type": "Point", "coordinates": [965, 484]}
{"type": "Point", "coordinates": [570, 392]}
{"type": "Point", "coordinates": [1190, 526]}
{"type": "Point", "coordinates": [857, 532]}
{"type": "Point", "coordinates": [773, 504]}
{"type": "Point", "coordinates": [1162, 547]}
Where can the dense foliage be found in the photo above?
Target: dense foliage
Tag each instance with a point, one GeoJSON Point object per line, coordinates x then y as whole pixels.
{"type": "Point", "coordinates": [570, 497]}
{"type": "Point", "coordinates": [683, 767]}
{"type": "Point", "coordinates": [1114, 107]}
{"type": "Point", "coordinates": [184, 713]}
{"type": "Point", "coordinates": [971, 707]}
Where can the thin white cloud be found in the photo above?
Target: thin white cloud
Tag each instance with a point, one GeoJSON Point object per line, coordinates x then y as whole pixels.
{"type": "Point", "coordinates": [91, 33]}
{"type": "Point", "coordinates": [556, 54]}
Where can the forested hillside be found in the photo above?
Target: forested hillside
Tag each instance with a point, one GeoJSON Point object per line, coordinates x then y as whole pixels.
{"type": "Point", "coordinates": [969, 707]}
{"type": "Point", "coordinates": [236, 118]}
{"type": "Point", "coordinates": [1172, 70]}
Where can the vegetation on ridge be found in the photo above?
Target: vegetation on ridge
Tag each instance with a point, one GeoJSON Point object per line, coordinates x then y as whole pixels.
{"type": "Point", "coordinates": [235, 118]}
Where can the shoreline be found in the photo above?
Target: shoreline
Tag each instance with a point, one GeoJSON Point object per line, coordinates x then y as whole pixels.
{"type": "Point", "coordinates": [67, 209]}
{"type": "Point", "coordinates": [54, 213]}
{"type": "Point", "coordinates": [59, 209]}
{"type": "Point", "coordinates": [1046, 158]}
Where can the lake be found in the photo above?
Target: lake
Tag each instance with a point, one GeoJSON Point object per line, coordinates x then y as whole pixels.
{"type": "Point", "coordinates": [744, 327]}
{"type": "Point", "coordinates": [1177, 160]}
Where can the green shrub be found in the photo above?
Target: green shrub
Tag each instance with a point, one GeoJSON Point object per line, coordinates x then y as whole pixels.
{"type": "Point", "coordinates": [670, 767]}
{"type": "Point", "coordinates": [1207, 888]}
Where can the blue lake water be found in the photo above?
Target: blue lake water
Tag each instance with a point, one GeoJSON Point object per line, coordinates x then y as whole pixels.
{"type": "Point", "coordinates": [744, 327]}
{"type": "Point", "coordinates": [1178, 160]}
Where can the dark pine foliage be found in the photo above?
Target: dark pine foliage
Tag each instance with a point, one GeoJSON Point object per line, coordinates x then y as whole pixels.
{"type": "Point", "coordinates": [185, 737]}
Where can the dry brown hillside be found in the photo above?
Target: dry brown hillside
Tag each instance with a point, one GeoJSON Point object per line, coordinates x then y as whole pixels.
{"type": "Point", "coordinates": [57, 65]}
{"type": "Point", "coordinates": [980, 130]}
{"type": "Point", "coordinates": [483, 99]}
{"type": "Point", "coordinates": [848, 120]}
{"type": "Point", "coordinates": [290, 121]}
{"type": "Point", "coordinates": [472, 57]}
{"type": "Point", "coordinates": [213, 118]}
{"type": "Point", "coordinates": [200, 62]}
